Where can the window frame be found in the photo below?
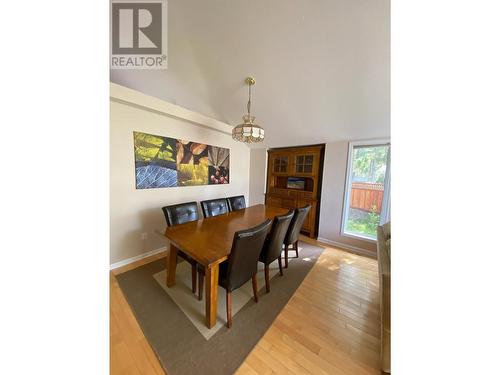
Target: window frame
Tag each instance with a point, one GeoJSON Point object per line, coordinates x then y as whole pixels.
{"type": "Point", "coordinates": [386, 201]}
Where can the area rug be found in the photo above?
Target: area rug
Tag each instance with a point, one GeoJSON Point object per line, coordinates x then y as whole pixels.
{"type": "Point", "coordinates": [194, 309]}
{"type": "Point", "coordinates": [182, 346]}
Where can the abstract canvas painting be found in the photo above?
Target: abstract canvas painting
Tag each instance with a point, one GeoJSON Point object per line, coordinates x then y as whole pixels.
{"type": "Point", "coordinates": [218, 165]}
{"type": "Point", "coordinates": [192, 163]}
{"type": "Point", "coordinates": [167, 162]}
{"type": "Point", "coordinates": [155, 161]}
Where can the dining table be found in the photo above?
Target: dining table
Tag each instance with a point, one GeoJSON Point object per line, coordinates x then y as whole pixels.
{"type": "Point", "coordinates": [208, 241]}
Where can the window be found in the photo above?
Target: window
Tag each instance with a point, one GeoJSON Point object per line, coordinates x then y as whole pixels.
{"type": "Point", "coordinates": [367, 193]}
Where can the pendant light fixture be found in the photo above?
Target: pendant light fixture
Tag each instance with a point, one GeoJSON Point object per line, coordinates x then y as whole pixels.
{"type": "Point", "coordinates": [248, 132]}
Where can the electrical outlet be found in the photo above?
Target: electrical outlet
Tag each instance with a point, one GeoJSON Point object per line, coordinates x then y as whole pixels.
{"type": "Point", "coordinates": [144, 236]}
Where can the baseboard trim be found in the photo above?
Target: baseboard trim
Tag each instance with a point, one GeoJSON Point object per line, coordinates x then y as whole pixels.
{"type": "Point", "coordinates": [351, 248]}
{"type": "Point", "coordinates": [124, 262]}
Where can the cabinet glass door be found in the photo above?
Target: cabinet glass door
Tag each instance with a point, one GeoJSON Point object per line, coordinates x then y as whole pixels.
{"type": "Point", "coordinates": [304, 163]}
{"type": "Point", "coordinates": [280, 164]}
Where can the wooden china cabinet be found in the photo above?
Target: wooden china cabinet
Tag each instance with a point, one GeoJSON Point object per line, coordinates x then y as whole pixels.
{"type": "Point", "coordinates": [294, 180]}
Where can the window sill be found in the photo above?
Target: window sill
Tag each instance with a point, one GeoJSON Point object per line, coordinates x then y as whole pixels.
{"type": "Point", "coordinates": [359, 237]}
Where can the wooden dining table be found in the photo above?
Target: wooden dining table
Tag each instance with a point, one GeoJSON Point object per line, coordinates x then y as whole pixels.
{"type": "Point", "coordinates": [209, 241]}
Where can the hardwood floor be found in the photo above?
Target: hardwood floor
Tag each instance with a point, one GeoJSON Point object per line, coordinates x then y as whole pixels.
{"type": "Point", "coordinates": [130, 352]}
{"type": "Point", "coordinates": [329, 326]}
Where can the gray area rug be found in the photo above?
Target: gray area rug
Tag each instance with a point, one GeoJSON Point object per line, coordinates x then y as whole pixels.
{"type": "Point", "coordinates": [179, 345]}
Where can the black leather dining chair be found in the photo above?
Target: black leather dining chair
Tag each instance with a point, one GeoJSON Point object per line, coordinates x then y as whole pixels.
{"type": "Point", "coordinates": [236, 203]}
{"type": "Point", "coordinates": [241, 265]}
{"type": "Point", "coordinates": [292, 235]}
{"type": "Point", "coordinates": [273, 246]}
{"type": "Point", "coordinates": [177, 214]}
{"type": "Point", "coordinates": [214, 207]}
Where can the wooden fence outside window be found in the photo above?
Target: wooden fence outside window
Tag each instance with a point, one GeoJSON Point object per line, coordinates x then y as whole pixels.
{"type": "Point", "coordinates": [365, 196]}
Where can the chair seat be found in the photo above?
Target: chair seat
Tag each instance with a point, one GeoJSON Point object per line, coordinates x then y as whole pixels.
{"type": "Point", "coordinates": [222, 271]}
{"type": "Point", "coordinates": [223, 274]}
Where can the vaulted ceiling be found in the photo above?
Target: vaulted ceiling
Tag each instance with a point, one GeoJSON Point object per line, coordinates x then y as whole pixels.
{"type": "Point", "coordinates": [322, 66]}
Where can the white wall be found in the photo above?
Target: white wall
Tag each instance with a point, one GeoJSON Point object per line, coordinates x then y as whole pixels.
{"type": "Point", "coordinates": [258, 175]}
{"type": "Point", "coordinates": [332, 200]}
{"type": "Point", "coordinates": [135, 212]}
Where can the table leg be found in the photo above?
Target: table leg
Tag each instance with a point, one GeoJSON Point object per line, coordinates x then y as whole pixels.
{"type": "Point", "coordinates": [211, 289]}
{"type": "Point", "coordinates": [171, 265]}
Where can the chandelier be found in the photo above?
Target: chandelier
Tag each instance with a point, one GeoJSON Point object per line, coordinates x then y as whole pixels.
{"type": "Point", "coordinates": [248, 132]}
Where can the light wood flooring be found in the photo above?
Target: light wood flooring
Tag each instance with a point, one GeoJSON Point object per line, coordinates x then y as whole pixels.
{"type": "Point", "coordinates": [329, 326]}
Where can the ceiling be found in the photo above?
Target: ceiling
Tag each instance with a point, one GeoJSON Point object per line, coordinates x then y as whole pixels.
{"type": "Point", "coordinates": [322, 67]}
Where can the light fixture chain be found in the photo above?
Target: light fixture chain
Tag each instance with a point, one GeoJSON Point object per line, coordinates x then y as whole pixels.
{"type": "Point", "coordinates": [249, 98]}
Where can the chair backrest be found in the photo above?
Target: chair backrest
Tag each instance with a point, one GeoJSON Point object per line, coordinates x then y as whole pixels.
{"type": "Point", "coordinates": [236, 203]}
{"type": "Point", "coordinates": [297, 221]}
{"type": "Point", "coordinates": [274, 241]}
{"type": "Point", "coordinates": [181, 213]}
{"type": "Point", "coordinates": [242, 262]}
{"type": "Point", "coordinates": [214, 207]}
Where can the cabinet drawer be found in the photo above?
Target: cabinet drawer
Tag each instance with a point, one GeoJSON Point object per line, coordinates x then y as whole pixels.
{"type": "Point", "coordinates": [288, 203]}
{"type": "Point", "coordinates": [285, 193]}
{"type": "Point", "coordinates": [305, 195]}
{"type": "Point", "coordinates": [273, 201]}
{"type": "Point", "coordinates": [277, 192]}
